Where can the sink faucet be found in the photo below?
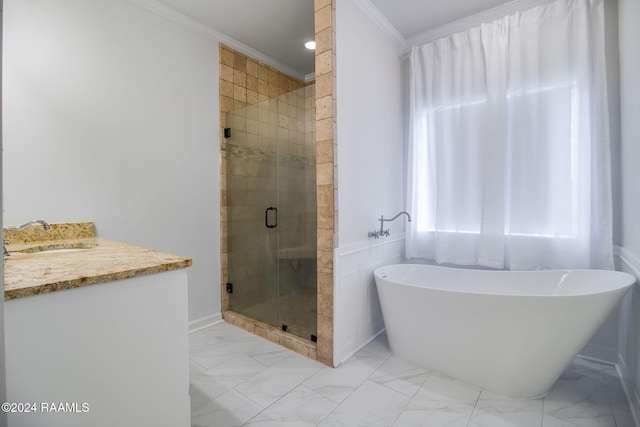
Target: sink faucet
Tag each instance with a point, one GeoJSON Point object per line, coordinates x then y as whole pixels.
{"type": "Point", "coordinates": [44, 224]}
{"type": "Point", "coordinates": [23, 226]}
{"type": "Point", "coordinates": [382, 220]}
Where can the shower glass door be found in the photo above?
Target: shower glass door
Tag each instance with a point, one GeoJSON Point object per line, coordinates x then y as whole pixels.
{"type": "Point", "coordinates": [271, 211]}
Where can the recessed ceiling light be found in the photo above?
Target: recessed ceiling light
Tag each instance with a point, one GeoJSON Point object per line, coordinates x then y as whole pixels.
{"type": "Point", "coordinates": [311, 45]}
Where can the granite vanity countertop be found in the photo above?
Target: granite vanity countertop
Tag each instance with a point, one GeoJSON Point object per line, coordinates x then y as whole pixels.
{"type": "Point", "coordinates": [97, 260]}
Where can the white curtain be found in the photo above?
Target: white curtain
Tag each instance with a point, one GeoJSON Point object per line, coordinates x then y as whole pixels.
{"type": "Point", "coordinates": [509, 163]}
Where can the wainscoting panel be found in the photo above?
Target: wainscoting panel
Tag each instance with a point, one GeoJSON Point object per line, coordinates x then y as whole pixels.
{"type": "Point", "coordinates": [357, 314]}
{"type": "Point", "coordinates": [629, 332]}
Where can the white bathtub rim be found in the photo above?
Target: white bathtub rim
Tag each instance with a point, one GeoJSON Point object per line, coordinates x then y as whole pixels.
{"type": "Point", "coordinates": [625, 280]}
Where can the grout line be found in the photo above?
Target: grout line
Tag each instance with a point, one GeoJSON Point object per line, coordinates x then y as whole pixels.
{"type": "Point", "coordinates": [475, 405]}
{"type": "Point", "coordinates": [282, 396]}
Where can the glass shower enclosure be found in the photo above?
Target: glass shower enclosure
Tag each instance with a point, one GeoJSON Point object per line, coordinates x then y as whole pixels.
{"type": "Point", "coordinates": [271, 211]}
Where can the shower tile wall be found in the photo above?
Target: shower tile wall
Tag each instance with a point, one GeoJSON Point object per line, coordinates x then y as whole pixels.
{"type": "Point", "coordinates": [246, 82]}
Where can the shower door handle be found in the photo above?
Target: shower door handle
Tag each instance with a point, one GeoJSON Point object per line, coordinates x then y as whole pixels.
{"type": "Point", "coordinates": [266, 217]}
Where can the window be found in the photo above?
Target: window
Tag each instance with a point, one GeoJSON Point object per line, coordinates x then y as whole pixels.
{"type": "Point", "coordinates": [509, 153]}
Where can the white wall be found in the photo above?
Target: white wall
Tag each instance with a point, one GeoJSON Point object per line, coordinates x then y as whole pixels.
{"type": "Point", "coordinates": [3, 388]}
{"type": "Point", "coordinates": [111, 115]}
{"type": "Point", "coordinates": [629, 35]}
{"type": "Point", "coordinates": [630, 105]}
{"type": "Point", "coordinates": [369, 175]}
{"type": "Point", "coordinates": [369, 126]}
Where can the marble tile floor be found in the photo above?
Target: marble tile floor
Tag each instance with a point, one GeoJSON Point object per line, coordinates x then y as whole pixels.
{"type": "Point", "coordinates": [239, 379]}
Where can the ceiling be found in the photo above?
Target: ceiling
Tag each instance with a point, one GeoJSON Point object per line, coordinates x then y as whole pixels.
{"type": "Point", "coordinates": [413, 17]}
{"type": "Point", "coordinates": [278, 28]}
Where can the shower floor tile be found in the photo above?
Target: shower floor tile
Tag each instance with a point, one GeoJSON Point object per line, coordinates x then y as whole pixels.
{"type": "Point", "coordinates": [238, 379]}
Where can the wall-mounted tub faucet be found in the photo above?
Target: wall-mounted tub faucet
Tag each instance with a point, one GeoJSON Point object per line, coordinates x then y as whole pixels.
{"type": "Point", "coordinates": [44, 224]}
{"type": "Point", "coordinates": [382, 220]}
{"type": "Point", "coordinates": [382, 232]}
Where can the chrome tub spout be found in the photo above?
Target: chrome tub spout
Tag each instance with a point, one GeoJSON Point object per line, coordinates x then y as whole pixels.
{"type": "Point", "coordinates": [382, 220]}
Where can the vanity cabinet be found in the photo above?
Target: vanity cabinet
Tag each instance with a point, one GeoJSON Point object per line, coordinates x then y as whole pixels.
{"type": "Point", "coordinates": [96, 337]}
{"type": "Point", "coordinates": [113, 354]}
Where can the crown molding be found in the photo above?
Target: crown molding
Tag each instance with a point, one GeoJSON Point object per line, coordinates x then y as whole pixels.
{"type": "Point", "coordinates": [198, 27]}
{"type": "Point", "coordinates": [378, 18]}
{"type": "Point", "coordinates": [445, 30]}
{"type": "Point", "coordinates": [469, 22]}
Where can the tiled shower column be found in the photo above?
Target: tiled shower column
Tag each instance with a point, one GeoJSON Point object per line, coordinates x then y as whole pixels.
{"type": "Point", "coordinates": [325, 173]}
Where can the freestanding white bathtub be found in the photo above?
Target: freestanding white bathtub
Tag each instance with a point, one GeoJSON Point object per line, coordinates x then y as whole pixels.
{"type": "Point", "coordinates": [511, 332]}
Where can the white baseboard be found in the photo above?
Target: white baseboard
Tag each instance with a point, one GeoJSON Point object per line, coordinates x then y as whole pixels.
{"type": "Point", "coordinates": [347, 357]}
{"type": "Point", "coordinates": [596, 360]}
{"type": "Point", "coordinates": [600, 354]}
{"type": "Point", "coordinates": [204, 322]}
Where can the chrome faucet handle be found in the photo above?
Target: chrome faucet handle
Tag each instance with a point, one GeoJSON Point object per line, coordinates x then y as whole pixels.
{"type": "Point", "coordinates": [378, 234]}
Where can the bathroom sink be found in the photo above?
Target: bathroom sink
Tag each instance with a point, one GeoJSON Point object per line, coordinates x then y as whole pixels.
{"type": "Point", "coordinates": [54, 248]}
